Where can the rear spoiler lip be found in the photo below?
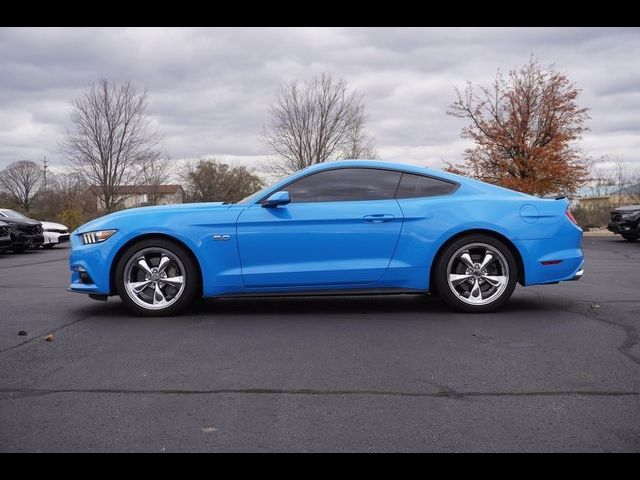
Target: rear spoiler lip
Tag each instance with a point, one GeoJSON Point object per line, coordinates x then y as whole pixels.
{"type": "Point", "coordinates": [554, 197]}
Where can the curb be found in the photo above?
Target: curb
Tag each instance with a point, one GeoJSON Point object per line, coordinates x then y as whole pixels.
{"type": "Point", "coordinates": [599, 233]}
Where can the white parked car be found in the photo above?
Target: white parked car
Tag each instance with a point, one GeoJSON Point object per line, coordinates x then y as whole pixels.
{"type": "Point", "coordinates": [54, 233]}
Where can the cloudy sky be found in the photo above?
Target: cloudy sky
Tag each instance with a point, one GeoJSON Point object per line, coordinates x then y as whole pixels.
{"type": "Point", "coordinates": [210, 88]}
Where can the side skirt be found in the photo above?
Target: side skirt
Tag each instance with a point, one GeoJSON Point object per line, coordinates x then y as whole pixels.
{"type": "Point", "coordinates": [324, 293]}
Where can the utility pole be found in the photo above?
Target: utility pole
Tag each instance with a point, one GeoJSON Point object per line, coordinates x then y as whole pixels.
{"type": "Point", "coordinates": [44, 161]}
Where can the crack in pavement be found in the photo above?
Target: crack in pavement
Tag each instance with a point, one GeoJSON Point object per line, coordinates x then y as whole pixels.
{"type": "Point", "coordinates": [631, 332]}
{"type": "Point", "coordinates": [632, 336]}
{"type": "Point", "coordinates": [447, 393]}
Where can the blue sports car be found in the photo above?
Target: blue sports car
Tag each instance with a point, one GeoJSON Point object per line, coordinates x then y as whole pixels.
{"type": "Point", "coordinates": [352, 226]}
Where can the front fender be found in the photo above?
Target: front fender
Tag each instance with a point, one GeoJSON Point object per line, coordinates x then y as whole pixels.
{"type": "Point", "coordinates": [219, 261]}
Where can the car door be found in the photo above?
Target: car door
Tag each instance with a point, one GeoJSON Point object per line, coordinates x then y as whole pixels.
{"type": "Point", "coordinates": [340, 228]}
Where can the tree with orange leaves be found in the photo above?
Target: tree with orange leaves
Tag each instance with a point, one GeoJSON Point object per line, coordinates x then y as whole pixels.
{"type": "Point", "coordinates": [525, 129]}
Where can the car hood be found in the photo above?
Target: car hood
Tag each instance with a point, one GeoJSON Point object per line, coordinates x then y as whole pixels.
{"type": "Point", "coordinates": [112, 220]}
{"type": "Point", "coordinates": [23, 222]}
{"type": "Point", "coordinates": [49, 225]}
{"type": "Point", "coordinates": [627, 209]}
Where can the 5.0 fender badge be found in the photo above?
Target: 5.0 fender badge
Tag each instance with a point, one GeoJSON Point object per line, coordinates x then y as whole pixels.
{"type": "Point", "coordinates": [221, 238]}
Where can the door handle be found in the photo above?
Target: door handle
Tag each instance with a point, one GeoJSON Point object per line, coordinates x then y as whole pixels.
{"type": "Point", "coordinates": [379, 218]}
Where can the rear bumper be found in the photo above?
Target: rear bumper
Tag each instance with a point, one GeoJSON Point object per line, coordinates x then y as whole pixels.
{"type": "Point", "coordinates": [552, 260]}
{"type": "Point", "coordinates": [578, 274]}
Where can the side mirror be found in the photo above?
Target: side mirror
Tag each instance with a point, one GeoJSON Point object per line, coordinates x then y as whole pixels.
{"type": "Point", "coordinates": [278, 198]}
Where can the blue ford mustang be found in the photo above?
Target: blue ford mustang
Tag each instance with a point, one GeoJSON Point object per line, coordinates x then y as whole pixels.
{"type": "Point", "coordinates": [341, 227]}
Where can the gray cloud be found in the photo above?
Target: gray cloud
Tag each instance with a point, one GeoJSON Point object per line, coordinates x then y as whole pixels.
{"type": "Point", "coordinates": [210, 88]}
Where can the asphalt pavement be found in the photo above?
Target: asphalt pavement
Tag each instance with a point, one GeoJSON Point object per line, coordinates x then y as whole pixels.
{"type": "Point", "coordinates": [557, 369]}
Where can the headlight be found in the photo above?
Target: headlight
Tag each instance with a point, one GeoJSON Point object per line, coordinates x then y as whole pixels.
{"type": "Point", "coordinates": [97, 236]}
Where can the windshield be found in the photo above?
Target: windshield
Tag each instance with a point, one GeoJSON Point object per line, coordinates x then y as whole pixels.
{"type": "Point", "coordinates": [12, 214]}
{"type": "Point", "coordinates": [254, 196]}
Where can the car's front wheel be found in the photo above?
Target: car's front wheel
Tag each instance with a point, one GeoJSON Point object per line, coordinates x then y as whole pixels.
{"type": "Point", "coordinates": [631, 238]}
{"type": "Point", "coordinates": [476, 273]}
{"type": "Point", "coordinates": [156, 277]}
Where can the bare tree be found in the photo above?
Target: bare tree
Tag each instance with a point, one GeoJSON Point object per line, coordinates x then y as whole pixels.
{"type": "Point", "coordinates": [311, 122]}
{"type": "Point", "coordinates": [155, 170]}
{"type": "Point", "coordinates": [621, 177]}
{"type": "Point", "coordinates": [110, 138]}
{"type": "Point", "coordinates": [601, 182]}
{"type": "Point", "coordinates": [213, 181]}
{"type": "Point", "coordinates": [22, 181]}
{"type": "Point", "coordinates": [66, 191]}
{"type": "Point", "coordinates": [358, 143]}
{"type": "Point", "coordinates": [633, 190]}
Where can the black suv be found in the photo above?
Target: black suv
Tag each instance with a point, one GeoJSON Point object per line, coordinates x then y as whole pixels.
{"type": "Point", "coordinates": [625, 221]}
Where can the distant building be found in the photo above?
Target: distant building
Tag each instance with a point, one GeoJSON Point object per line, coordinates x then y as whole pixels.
{"type": "Point", "coordinates": [609, 197]}
{"type": "Point", "coordinates": [144, 195]}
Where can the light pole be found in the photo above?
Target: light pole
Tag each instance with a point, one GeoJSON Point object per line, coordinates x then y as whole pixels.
{"type": "Point", "coordinates": [44, 161]}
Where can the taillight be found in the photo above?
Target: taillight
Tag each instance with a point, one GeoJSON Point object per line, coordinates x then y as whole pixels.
{"type": "Point", "coordinates": [570, 216]}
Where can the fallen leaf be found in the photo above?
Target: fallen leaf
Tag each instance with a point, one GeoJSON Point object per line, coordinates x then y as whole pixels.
{"type": "Point", "coordinates": [49, 338]}
{"type": "Point", "coordinates": [22, 333]}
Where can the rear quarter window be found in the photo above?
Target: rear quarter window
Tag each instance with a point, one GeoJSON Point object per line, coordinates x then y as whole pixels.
{"type": "Point", "coordinates": [414, 186]}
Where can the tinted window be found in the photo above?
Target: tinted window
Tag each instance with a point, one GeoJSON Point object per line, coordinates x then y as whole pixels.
{"type": "Point", "coordinates": [345, 184]}
{"type": "Point", "coordinates": [419, 186]}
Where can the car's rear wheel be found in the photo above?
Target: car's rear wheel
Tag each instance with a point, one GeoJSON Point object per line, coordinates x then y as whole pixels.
{"type": "Point", "coordinates": [476, 273]}
{"type": "Point", "coordinates": [156, 277]}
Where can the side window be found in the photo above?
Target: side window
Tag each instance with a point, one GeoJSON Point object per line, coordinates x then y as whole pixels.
{"type": "Point", "coordinates": [412, 186]}
{"type": "Point", "coordinates": [345, 184]}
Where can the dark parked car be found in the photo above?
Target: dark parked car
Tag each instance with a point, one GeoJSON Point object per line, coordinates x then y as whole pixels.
{"type": "Point", "coordinates": [626, 222]}
{"type": "Point", "coordinates": [25, 232]}
{"type": "Point", "coordinates": [5, 236]}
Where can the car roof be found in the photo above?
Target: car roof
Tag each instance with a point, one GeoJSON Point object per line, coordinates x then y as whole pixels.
{"type": "Point", "coordinates": [405, 167]}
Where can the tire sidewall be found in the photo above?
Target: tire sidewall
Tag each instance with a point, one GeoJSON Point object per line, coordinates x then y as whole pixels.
{"type": "Point", "coordinates": [441, 274]}
{"type": "Point", "coordinates": [191, 274]}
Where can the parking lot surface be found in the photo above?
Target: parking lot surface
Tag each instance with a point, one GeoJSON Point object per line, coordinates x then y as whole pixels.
{"type": "Point", "coordinates": [557, 369]}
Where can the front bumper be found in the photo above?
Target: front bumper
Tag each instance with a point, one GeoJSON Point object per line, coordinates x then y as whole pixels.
{"type": "Point", "coordinates": [5, 243]}
{"type": "Point", "coordinates": [23, 240]}
{"type": "Point", "coordinates": [623, 228]}
{"type": "Point", "coordinates": [55, 237]}
{"type": "Point", "coordinates": [89, 265]}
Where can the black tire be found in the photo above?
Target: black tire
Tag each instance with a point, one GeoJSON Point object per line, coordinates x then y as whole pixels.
{"type": "Point", "coordinates": [631, 238]}
{"type": "Point", "coordinates": [19, 249]}
{"type": "Point", "coordinates": [441, 274]}
{"type": "Point", "coordinates": [49, 245]}
{"type": "Point", "coordinates": [191, 277]}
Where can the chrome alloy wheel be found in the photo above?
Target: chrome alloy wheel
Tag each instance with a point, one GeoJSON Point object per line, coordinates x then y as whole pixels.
{"type": "Point", "coordinates": [154, 278]}
{"type": "Point", "coordinates": [478, 274]}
